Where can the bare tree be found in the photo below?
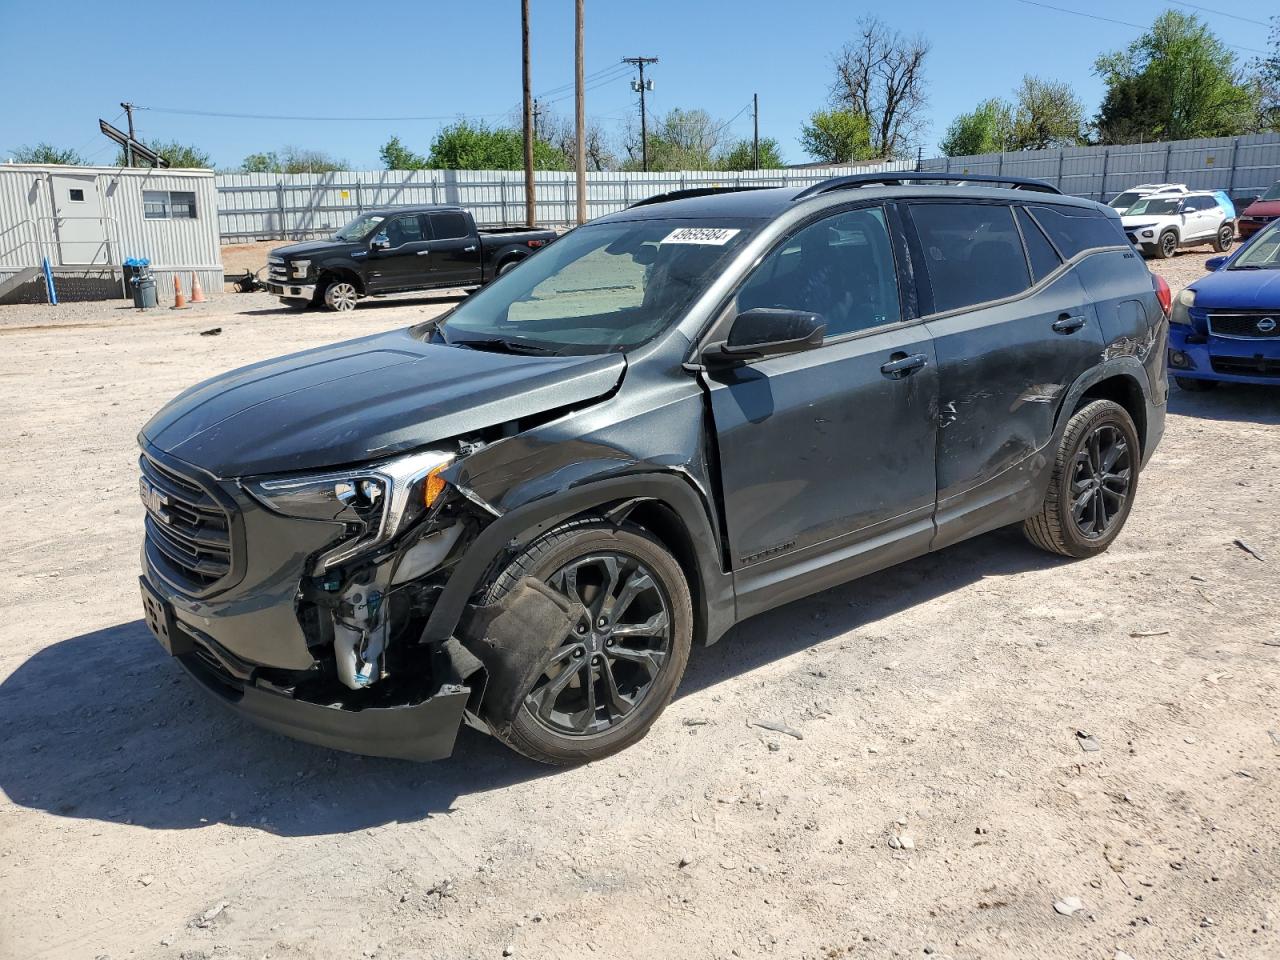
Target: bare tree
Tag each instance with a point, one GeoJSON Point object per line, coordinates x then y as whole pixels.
{"type": "Point", "coordinates": [881, 76]}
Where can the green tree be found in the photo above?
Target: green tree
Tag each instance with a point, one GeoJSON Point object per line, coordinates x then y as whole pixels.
{"type": "Point", "coordinates": [182, 155]}
{"type": "Point", "coordinates": [880, 76]}
{"type": "Point", "coordinates": [741, 156]}
{"type": "Point", "coordinates": [679, 140]}
{"type": "Point", "coordinates": [837, 136]}
{"type": "Point", "coordinates": [1267, 81]}
{"type": "Point", "coordinates": [47, 153]}
{"type": "Point", "coordinates": [396, 156]}
{"type": "Point", "coordinates": [1047, 113]}
{"type": "Point", "coordinates": [474, 145]}
{"type": "Point", "coordinates": [1175, 82]}
{"type": "Point", "coordinates": [293, 160]}
{"type": "Point", "coordinates": [986, 129]}
{"type": "Point", "coordinates": [261, 163]}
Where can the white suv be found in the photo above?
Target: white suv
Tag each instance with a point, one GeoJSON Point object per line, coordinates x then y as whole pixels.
{"type": "Point", "coordinates": [1143, 190]}
{"type": "Point", "coordinates": [1159, 224]}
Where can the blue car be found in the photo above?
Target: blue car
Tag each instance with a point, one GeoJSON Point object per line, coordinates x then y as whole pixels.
{"type": "Point", "coordinates": [1225, 328]}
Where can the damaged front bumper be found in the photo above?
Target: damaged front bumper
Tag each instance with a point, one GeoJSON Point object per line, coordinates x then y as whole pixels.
{"type": "Point", "coordinates": [424, 729]}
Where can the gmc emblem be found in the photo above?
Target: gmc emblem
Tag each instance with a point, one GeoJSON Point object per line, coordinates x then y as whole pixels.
{"type": "Point", "coordinates": [153, 500]}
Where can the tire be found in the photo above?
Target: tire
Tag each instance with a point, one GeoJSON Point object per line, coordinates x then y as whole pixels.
{"type": "Point", "coordinates": [1192, 385]}
{"type": "Point", "coordinates": [1068, 522]}
{"type": "Point", "coordinates": [1224, 238]}
{"type": "Point", "coordinates": [507, 267]}
{"type": "Point", "coordinates": [583, 546]}
{"type": "Point", "coordinates": [340, 295]}
{"type": "Point", "coordinates": [1167, 245]}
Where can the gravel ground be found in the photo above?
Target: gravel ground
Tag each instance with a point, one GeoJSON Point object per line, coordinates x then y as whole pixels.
{"type": "Point", "coordinates": [938, 798]}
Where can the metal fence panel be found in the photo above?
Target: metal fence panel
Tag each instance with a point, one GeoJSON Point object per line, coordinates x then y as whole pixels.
{"type": "Point", "coordinates": [255, 206]}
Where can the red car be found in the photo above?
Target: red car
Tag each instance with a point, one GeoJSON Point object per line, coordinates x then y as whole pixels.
{"type": "Point", "coordinates": [1261, 212]}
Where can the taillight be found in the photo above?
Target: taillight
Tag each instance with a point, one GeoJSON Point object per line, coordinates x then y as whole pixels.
{"type": "Point", "coordinates": [537, 243]}
{"type": "Point", "coordinates": [1163, 293]}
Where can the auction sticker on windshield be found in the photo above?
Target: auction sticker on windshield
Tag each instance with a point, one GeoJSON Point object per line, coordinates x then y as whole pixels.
{"type": "Point", "coordinates": [712, 236]}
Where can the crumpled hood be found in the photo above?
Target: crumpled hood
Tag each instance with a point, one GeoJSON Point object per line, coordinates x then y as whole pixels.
{"type": "Point", "coordinates": [1239, 290]}
{"type": "Point", "coordinates": [364, 399]}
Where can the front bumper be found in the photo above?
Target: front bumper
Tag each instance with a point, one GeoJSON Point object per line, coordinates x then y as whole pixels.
{"type": "Point", "coordinates": [422, 730]}
{"type": "Point", "coordinates": [1208, 357]}
{"type": "Point", "coordinates": [292, 291]}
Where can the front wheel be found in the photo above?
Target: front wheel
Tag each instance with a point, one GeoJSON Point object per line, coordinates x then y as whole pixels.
{"type": "Point", "coordinates": [1167, 246]}
{"type": "Point", "coordinates": [1222, 242]}
{"type": "Point", "coordinates": [602, 686]}
{"type": "Point", "coordinates": [341, 295]}
{"type": "Point", "coordinates": [1095, 476]}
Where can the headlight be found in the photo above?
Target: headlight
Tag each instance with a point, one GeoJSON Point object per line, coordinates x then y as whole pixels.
{"type": "Point", "coordinates": [376, 502]}
{"type": "Point", "coordinates": [1182, 304]}
{"type": "Point", "coordinates": [301, 267]}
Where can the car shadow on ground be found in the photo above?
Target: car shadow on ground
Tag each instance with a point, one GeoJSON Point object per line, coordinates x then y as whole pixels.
{"type": "Point", "coordinates": [104, 726]}
{"type": "Point", "coordinates": [368, 304]}
{"type": "Point", "coordinates": [1238, 402]}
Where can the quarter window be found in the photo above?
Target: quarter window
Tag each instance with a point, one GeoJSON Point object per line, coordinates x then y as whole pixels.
{"type": "Point", "coordinates": [1044, 260]}
{"type": "Point", "coordinates": [841, 268]}
{"type": "Point", "coordinates": [1074, 230]}
{"type": "Point", "coordinates": [972, 252]}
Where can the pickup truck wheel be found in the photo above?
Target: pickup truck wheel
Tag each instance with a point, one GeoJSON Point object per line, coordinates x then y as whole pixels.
{"type": "Point", "coordinates": [1095, 476]}
{"type": "Point", "coordinates": [1167, 246]}
{"type": "Point", "coordinates": [341, 295]}
{"type": "Point", "coordinates": [604, 684]}
{"type": "Point", "coordinates": [1226, 235]}
{"type": "Point", "coordinates": [509, 265]}
{"type": "Point", "coordinates": [1192, 385]}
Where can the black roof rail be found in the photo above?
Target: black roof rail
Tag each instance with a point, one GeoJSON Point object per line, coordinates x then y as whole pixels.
{"type": "Point", "coordinates": [916, 176]}
{"type": "Point", "coordinates": [691, 192]}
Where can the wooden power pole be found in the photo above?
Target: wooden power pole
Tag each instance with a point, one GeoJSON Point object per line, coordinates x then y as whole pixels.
{"type": "Point", "coordinates": [580, 115]}
{"type": "Point", "coordinates": [530, 201]}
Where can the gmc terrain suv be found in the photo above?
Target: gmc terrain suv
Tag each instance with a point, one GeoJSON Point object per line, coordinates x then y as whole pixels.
{"type": "Point", "coordinates": [523, 514]}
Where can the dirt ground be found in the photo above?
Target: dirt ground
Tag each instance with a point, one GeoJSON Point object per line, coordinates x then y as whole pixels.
{"type": "Point", "coordinates": [936, 799]}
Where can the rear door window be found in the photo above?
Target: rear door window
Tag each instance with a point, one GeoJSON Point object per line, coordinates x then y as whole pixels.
{"type": "Point", "coordinates": [840, 267]}
{"type": "Point", "coordinates": [972, 252]}
{"type": "Point", "coordinates": [449, 226]}
{"type": "Point", "coordinates": [1074, 229]}
{"type": "Point", "coordinates": [1044, 259]}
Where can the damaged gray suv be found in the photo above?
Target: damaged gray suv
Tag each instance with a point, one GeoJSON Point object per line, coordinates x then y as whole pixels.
{"type": "Point", "coordinates": [523, 514]}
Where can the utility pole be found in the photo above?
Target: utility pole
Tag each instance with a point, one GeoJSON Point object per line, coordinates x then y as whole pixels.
{"type": "Point", "coordinates": [580, 114]}
{"type": "Point", "coordinates": [530, 202]}
{"type": "Point", "coordinates": [538, 111]}
{"type": "Point", "coordinates": [640, 87]}
{"type": "Point", "coordinates": [128, 150]}
{"type": "Point", "coordinates": [755, 131]}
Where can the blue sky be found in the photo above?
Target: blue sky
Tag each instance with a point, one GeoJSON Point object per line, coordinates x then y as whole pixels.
{"type": "Point", "coordinates": [398, 58]}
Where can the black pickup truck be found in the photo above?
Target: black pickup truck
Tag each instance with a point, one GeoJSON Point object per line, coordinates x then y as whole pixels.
{"type": "Point", "coordinates": [395, 250]}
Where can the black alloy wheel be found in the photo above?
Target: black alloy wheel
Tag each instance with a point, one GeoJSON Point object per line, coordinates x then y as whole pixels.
{"type": "Point", "coordinates": [1101, 480]}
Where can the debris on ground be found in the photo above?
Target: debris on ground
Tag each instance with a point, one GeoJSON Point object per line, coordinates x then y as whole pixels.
{"type": "Point", "coordinates": [211, 332]}
{"type": "Point", "coordinates": [1249, 550]}
{"type": "Point", "coordinates": [777, 727]}
{"type": "Point", "coordinates": [1149, 633]}
{"type": "Point", "coordinates": [1068, 906]}
{"type": "Point", "coordinates": [1088, 743]}
{"type": "Point", "coordinates": [206, 918]}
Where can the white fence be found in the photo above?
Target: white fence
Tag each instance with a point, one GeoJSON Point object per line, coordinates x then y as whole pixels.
{"type": "Point", "coordinates": [298, 206]}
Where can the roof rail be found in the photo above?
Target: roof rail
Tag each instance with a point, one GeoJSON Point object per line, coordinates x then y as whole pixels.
{"type": "Point", "coordinates": [915, 176]}
{"type": "Point", "coordinates": [691, 192]}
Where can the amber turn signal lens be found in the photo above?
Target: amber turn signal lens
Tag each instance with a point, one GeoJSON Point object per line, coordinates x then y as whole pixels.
{"type": "Point", "coordinates": [434, 486]}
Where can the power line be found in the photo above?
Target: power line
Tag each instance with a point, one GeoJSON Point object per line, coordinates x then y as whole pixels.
{"type": "Point", "coordinates": [274, 116]}
{"type": "Point", "coordinates": [1123, 23]}
{"type": "Point", "coordinates": [1221, 13]}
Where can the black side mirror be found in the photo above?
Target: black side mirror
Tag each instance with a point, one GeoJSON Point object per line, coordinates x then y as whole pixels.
{"type": "Point", "coordinates": [380, 242]}
{"type": "Point", "coordinates": [766, 332]}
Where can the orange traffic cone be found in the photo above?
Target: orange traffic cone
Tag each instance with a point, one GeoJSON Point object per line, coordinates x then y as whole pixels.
{"type": "Point", "coordinates": [179, 301]}
{"type": "Point", "coordinates": [197, 293]}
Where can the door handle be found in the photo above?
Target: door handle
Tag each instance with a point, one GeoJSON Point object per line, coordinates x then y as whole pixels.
{"type": "Point", "coordinates": [470, 249]}
{"type": "Point", "coordinates": [1068, 323]}
{"type": "Point", "coordinates": [901, 365]}
{"type": "Point", "coordinates": [424, 253]}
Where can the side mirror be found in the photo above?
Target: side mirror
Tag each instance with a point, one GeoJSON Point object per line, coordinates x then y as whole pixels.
{"type": "Point", "coordinates": [1215, 263]}
{"type": "Point", "coordinates": [766, 332]}
{"type": "Point", "coordinates": [380, 242]}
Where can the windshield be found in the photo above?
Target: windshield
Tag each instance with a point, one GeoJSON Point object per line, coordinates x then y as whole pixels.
{"type": "Point", "coordinates": [1263, 253]}
{"type": "Point", "coordinates": [601, 288]}
{"type": "Point", "coordinates": [1273, 192]}
{"type": "Point", "coordinates": [359, 228]}
{"type": "Point", "coordinates": [1126, 200]}
{"type": "Point", "coordinates": [1154, 206]}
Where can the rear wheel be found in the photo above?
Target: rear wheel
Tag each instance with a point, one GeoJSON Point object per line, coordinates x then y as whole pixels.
{"type": "Point", "coordinates": [1167, 245]}
{"type": "Point", "coordinates": [340, 295]}
{"type": "Point", "coordinates": [1095, 476]}
{"type": "Point", "coordinates": [506, 267]}
{"type": "Point", "coordinates": [604, 684]}
{"type": "Point", "coordinates": [1225, 236]}
{"type": "Point", "coordinates": [1191, 385]}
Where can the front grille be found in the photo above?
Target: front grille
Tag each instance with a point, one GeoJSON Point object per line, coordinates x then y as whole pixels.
{"type": "Point", "coordinates": [1247, 366]}
{"type": "Point", "coordinates": [277, 270]}
{"type": "Point", "coordinates": [1254, 325]}
{"type": "Point", "coordinates": [188, 531]}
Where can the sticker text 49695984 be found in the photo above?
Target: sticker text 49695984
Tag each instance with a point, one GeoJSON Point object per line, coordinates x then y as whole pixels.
{"type": "Point", "coordinates": [712, 236]}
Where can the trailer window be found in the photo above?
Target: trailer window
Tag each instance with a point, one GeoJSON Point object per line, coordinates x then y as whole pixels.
{"type": "Point", "coordinates": [168, 205]}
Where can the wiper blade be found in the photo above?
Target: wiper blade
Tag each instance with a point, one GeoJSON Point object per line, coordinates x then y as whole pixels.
{"type": "Point", "coordinates": [501, 345]}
